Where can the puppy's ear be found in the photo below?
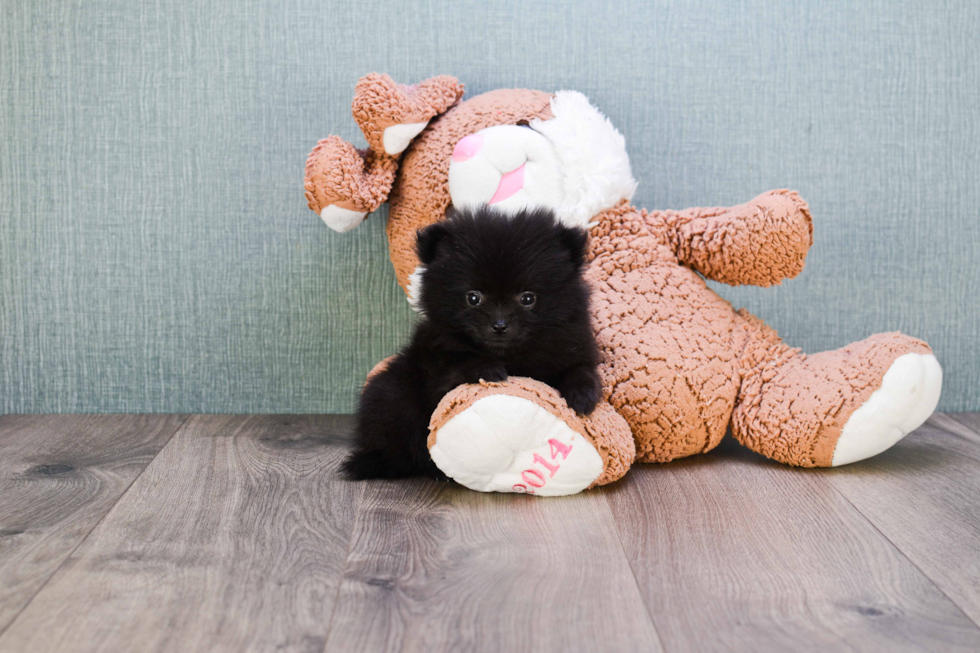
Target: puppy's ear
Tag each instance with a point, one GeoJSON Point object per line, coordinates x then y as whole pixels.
{"type": "Point", "coordinates": [429, 240]}
{"type": "Point", "coordinates": [575, 241]}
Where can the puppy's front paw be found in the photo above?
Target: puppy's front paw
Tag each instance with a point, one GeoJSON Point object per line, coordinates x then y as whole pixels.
{"type": "Point", "coordinates": [493, 372]}
{"type": "Point", "coordinates": [581, 390]}
{"type": "Point", "coordinates": [582, 400]}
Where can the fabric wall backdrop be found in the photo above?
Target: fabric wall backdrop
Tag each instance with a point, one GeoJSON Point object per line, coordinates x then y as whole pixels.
{"type": "Point", "coordinates": [156, 252]}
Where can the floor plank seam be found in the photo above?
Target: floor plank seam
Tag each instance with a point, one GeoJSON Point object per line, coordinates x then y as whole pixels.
{"type": "Point", "coordinates": [256, 509]}
{"type": "Point", "coordinates": [902, 553]}
{"type": "Point", "coordinates": [973, 438]}
{"type": "Point", "coordinates": [636, 583]}
{"type": "Point", "coordinates": [343, 572]}
{"type": "Point", "coordinates": [23, 608]}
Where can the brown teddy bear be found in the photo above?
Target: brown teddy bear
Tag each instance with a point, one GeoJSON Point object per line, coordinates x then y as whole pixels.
{"type": "Point", "coordinates": [680, 365]}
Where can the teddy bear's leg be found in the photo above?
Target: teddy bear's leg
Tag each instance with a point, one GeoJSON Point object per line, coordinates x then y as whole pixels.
{"type": "Point", "coordinates": [668, 366]}
{"type": "Point", "coordinates": [519, 436]}
{"type": "Point", "coordinates": [835, 407]}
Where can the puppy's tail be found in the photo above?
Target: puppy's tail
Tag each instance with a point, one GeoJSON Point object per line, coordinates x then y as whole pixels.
{"type": "Point", "coordinates": [361, 465]}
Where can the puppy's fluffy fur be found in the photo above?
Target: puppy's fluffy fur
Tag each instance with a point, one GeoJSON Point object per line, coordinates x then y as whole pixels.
{"type": "Point", "coordinates": [501, 296]}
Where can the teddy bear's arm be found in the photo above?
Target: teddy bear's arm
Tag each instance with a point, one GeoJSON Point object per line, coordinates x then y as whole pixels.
{"type": "Point", "coordinates": [337, 174]}
{"type": "Point", "coordinates": [344, 184]}
{"type": "Point", "coordinates": [758, 243]}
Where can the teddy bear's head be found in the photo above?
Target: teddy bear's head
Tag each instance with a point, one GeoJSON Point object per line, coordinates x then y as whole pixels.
{"type": "Point", "coordinates": [512, 149]}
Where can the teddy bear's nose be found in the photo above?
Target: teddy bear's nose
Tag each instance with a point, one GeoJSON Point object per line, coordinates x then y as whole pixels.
{"type": "Point", "coordinates": [467, 147]}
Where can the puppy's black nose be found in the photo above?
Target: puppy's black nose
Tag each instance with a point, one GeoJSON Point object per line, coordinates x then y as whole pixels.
{"type": "Point", "coordinates": [499, 327]}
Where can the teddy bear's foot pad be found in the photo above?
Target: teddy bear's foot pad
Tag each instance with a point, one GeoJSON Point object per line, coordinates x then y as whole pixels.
{"type": "Point", "coordinates": [907, 397]}
{"type": "Point", "coordinates": [504, 443]}
{"type": "Point", "coordinates": [340, 219]}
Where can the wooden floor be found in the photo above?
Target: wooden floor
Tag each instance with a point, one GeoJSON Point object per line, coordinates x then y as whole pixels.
{"type": "Point", "coordinates": [234, 533]}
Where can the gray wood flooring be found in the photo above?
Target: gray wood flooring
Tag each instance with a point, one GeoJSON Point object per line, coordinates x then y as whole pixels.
{"type": "Point", "coordinates": [234, 533]}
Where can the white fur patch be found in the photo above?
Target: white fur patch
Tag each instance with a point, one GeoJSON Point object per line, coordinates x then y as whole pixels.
{"type": "Point", "coordinates": [341, 220]}
{"type": "Point", "coordinates": [908, 394]}
{"type": "Point", "coordinates": [595, 165]}
{"type": "Point", "coordinates": [510, 444]}
{"type": "Point", "coordinates": [415, 289]}
{"type": "Point", "coordinates": [397, 137]}
{"type": "Point", "coordinates": [473, 181]}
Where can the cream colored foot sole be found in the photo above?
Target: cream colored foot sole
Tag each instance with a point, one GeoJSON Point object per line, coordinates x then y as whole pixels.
{"type": "Point", "coordinates": [907, 397]}
{"type": "Point", "coordinates": [510, 444]}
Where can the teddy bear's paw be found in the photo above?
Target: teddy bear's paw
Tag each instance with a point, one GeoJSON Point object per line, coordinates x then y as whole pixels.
{"type": "Point", "coordinates": [503, 443]}
{"type": "Point", "coordinates": [907, 397]}
{"type": "Point", "coordinates": [390, 114]}
{"type": "Point", "coordinates": [343, 184]}
{"type": "Point", "coordinates": [340, 219]}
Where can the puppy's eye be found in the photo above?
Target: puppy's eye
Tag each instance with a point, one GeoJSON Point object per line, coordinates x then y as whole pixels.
{"type": "Point", "coordinates": [474, 298]}
{"type": "Point", "coordinates": [527, 299]}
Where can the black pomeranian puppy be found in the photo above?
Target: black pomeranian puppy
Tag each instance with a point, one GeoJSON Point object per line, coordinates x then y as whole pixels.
{"type": "Point", "coordinates": [500, 296]}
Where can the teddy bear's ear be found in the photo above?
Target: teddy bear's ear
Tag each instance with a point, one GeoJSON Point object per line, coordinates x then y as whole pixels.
{"type": "Point", "coordinates": [391, 115]}
{"type": "Point", "coordinates": [575, 240]}
{"type": "Point", "coordinates": [344, 184]}
{"type": "Point", "coordinates": [429, 240]}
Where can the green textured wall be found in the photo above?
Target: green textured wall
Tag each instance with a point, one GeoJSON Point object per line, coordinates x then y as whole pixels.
{"type": "Point", "coordinates": [156, 253]}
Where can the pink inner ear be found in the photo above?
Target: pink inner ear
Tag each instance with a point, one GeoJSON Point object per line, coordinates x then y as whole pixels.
{"type": "Point", "coordinates": [510, 183]}
{"type": "Point", "coordinates": [467, 147]}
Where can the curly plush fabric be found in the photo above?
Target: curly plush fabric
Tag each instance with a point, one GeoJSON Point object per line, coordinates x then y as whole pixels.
{"type": "Point", "coordinates": [337, 174]}
{"type": "Point", "coordinates": [380, 103]}
{"type": "Point", "coordinates": [680, 365]}
{"type": "Point", "coordinates": [759, 244]}
{"type": "Point", "coordinates": [421, 193]}
{"type": "Point", "coordinates": [670, 365]}
{"type": "Point", "coordinates": [792, 407]}
{"type": "Point", "coordinates": [604, 429]}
